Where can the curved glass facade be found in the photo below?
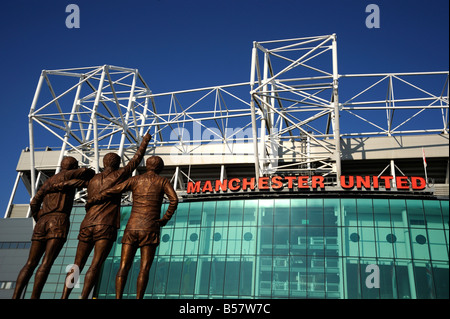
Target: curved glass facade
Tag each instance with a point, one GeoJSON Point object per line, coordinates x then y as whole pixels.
{"type": "Point", "coordinates": [296, 248]}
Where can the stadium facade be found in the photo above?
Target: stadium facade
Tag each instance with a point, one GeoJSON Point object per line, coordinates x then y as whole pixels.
{"type": "Point", "coordinates": [313, 185]}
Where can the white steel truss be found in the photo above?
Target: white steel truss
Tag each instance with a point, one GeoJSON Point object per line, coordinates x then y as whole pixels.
{"type": "Point", "coordinates": [294, 108]}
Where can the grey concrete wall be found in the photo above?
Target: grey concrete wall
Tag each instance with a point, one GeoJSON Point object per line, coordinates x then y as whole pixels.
{"type": "Point", "coordinates": [12, 260]}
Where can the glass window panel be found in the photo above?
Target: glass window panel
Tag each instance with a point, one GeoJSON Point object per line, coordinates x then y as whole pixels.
{"type": "Point", "coordinates": [388, 284]}
{"type": "Point", "coordinates": [384, 241]}
{"type": "Point", "coordinates": [182, 214]}
{"type": "Point", "coordinates": [348, 212]}
{"type": "Point", "coordinates": [381, 213]}
{"type": "Point", "coordinates": [179, 241]}
{"type": "Point", "coordinates": [280, 282]}
{"type": "Point", "coordinates": [249, 240]}
{"type": "Point", "coordinates": [404, 279]}
{"type": "Point", "coordinates": [236, 212]}
{"type": "Point", "coordinates": [266, 211]}
{"type": "Point", "coordinates": [265, 240]}
{"type": "Point", "coordinates": [247, 276]}
{"type": "Point", "coordinates": [166, 240]}
{"type": "Point", "coordinates": [440, 276]}
{"type": "Point", "coordinates": [315, 211]}
{"type": "Point", "coordinates": [220, 240]}
{"type": "Point", "coordinates": [365, 212]}
{"type": "Point", "coordinates": [419, 244]}
{"type": "Point", "coordinates": [315, 240]}
{"type": "Point", "coordinates": [416, 216]}
{"type": "Point", "coordinates": [195, 213]}
{"type": "Point", "coordinates": [401, 246]}
{"type": "Point", "coordinates": [281, 212]}
{"type": "Point", "coordinates": [351, 241]}
{"type": "Point", "coordinates": [174, 277]}
{"type": "Point", "coordinates": [250, 212]}
{"type": "Point", "coordinates": [217, 275]}
{"type": "Point", "coordinates": [445, 212]}
{"type": "Point", "coordinates": [232, 270]}
{"type": "Point", "coordinates": [333, 287]}
{"type": "Point", "coordinates": [234, 241]}
{"type": "Point", "coordinates": [331, 211]}
{"type": "Point", "coordinates": [433, 214]}
{"type": "Point", "coordinates": [369, 277]}
{"type": "Point", "coordinates": [424, 281]}
{"type": "Point", "coordinates": [281, 240]}
{"type": "Point", "coordinates": [203, 274]}
{"type": "Point", "coordinates": [367, 242]}
{"type": "Point", "coordinates": [209, 213]}
{"type": "Point", "coordinates": [125, 212]}
{"type": "Point", "coordinates": [111, 288]}
{"type": "Point", "coordinates": [298, 212]}
{"type": "Point", "coordinates": [398, 212]}
{"type": "Point", "coordinates": [161, 265]}
{"type": "Point", "coordinates": [192, 241]}
{"type": "Point", "coordinates": [298, 277]}
{"type": "Point", "coordinates": [438, 247]}
{"type": "Point", "coordinates": [206, 240]}
{"type": "Point", "coordinates": [188, 276]}
{"type": "Point", "coordinates": [117, 247]}
{"type": "Point", "coordinates": [265, 276]}
{"type": "Point", "coordinates": [331, 241]}
{"type": "Point", "coordinates": [298, 240]}
{"type": "Point", "coordinates": [222, 212]}
{"type": "Point", "coordinates": [316, 277]}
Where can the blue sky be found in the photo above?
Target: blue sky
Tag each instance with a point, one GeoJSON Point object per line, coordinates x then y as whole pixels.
{"type": "Point", "coordinates": [190, 44]}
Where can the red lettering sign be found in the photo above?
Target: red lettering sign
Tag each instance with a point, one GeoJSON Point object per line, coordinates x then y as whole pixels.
{"type": "Point", "coordinates": [306, 182]}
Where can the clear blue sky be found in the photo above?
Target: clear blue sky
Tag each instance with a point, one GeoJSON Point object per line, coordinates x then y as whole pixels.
{"type": "Point", "coordinates": [190, 44]}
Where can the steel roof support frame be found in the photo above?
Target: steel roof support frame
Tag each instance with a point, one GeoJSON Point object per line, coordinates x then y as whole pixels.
{"type": "Point", "coordinates": [295, 91]}
{"type": "Point", "coordinates": [92, 124]}
{"type": "Point", "coordinates": [303, 95]}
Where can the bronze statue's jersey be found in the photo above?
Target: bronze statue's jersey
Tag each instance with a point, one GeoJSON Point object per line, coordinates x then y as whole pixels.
{"type": "Point", "coordinates": [148, 193]}
{"type": "Point", "coordinates": [108, 212]}
{"type": "Point", "coordinates": [58, 202]}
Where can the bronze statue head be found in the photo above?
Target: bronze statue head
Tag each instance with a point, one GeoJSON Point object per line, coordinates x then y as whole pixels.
{"type": "Point", "coordinates": [155, 163]}
{"type": "Point", "coordinates": [111, 160]}
{"type": "Point", "coordinates": [69, 162]}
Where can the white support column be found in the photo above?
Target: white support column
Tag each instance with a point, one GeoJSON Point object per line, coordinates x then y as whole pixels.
{"type": "Point", "coordinates": [34, 186]}
{"type": "Point", "coordinates": [127, 116]}
{"type": "Point", "coordinates": [94, 120]}
{"type": "Point", "coordinates": [253, 111]}
{"type": "Point", "coordinates": [13, 193]}
{"type": "Point", "coordinates": [336, 127]}
{"type": "Point", "coordinates": [31, 135]}
{"type": "Point", "coordinates": [223, 173]}
{"type": "Point", "coordinates": [178, 180]}
{"type": "Point", "coordinates": [394, 184]}
{"type": "Point", "coordinates": [264, 118]}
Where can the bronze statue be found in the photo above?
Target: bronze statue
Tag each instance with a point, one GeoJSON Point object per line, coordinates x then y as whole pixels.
{"type": "Point", "coordinates": [52, 225]}
{"type": "Point", "coordinates": [143, 227]}
{"type": "Point", "coordinates": [98, 229]}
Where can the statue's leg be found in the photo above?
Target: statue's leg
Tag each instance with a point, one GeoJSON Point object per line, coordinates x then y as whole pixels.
{"type": "Point", "coordinates": [83, 251]}
{"type": "Point", "coordinates": [147, 256]}
{"type": "Point", "coordinates": [36, 251]}
{"type": "Point", "coordinates": [52, 250]}
{"type": "Point", "coordinates": [128, 253]}
{"type": "Point", "coordinates": [101, 251]}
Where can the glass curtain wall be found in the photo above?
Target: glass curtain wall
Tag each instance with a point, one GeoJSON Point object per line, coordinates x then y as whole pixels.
{"type": "Point", "coordinates": [296, 248]}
